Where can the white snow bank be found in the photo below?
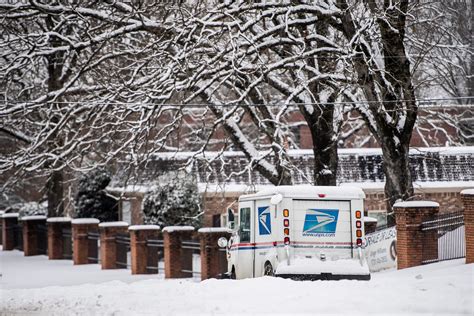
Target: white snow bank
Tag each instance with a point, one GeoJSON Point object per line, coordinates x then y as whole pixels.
{"type": "Point", "coordinates": [368, 219]}
{"type": "Point", "coordinates": [85, 221]}
{"type": "Point", "coordinates": [144, 227]}
{"type": "Point", "coordinates": [214, 230]}
{"type": "Point", "coordinates": [444, 288]}
{"type": "Point", "coordinates": [416, 204]}
{"type": "Point", "coordinates": [467, 192]}
{"type": "Point", "coordinates": [113, 224]}
{"type": "Point", "coordinates": [10, 215]}
{"type": "Point", "coordinates": [171, 229]}
{"type": "Point", "coordinates": [58, 219]}
{"type": "Point", "coordinates": [33, 218]}
{"type": "Point", "coordinates": [316, 266]}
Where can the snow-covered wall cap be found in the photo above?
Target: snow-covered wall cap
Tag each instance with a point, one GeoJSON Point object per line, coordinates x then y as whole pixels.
{"type": "Point", "coordinates": [467, 192]}
{"type": "Point", "coordinates": [59, 220]}
{"type": "Point", "coordinates": [144, 227]}
{"type": "Point", "coordinates": [414, 204]}
{"type": "Point", "coordinates": [171, 229]}
{"type": "Point", "coordinates": [85, 221]}
{"type": "Point", "coordinates": [113, 224]}
{"type": "Point", "coordinates": [368, 219]}
{"type": "Point", "coordinates": [33, 218]}
{"type": "Point", "coordinates": [214, 230]}
{"type": "Point", "coordinates": [10, 215]}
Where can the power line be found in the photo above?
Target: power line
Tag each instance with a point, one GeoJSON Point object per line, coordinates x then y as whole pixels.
{"type": "Point", "coordinates": [427, 102]}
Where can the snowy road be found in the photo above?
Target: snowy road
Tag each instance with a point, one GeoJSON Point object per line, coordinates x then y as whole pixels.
{"type": "Point", "coordinates": [444, 288]}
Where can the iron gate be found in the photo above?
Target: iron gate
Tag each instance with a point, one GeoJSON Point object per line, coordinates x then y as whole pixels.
{"type": "Point", "coordinates": [18, 236]}
{"type": "Point", "coordinates": [93, 247]}
{"type": "Point", "coordinates": [122, 244]}
{"type": "Point", "coordinates": [448, 230]}
{"type": "Point", "coordinates": [155, 259]}
{"type": "Point", "coordinates": [67, 242]}
{"type": "Point", "coordinates": [42, 238]}
{"type": "Point", "coordinates": [190, 261]}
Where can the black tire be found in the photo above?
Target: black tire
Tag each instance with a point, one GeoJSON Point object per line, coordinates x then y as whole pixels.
{"type": "Point", "coordinates": [232, 274]}
{"type": "Point", "coordinates": [268, 269]}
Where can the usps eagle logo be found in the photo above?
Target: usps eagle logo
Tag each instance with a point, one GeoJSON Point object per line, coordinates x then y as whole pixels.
{"type": "Point", "coordinates": [264, 221]}
{"type": "Point", "coordinates": [320, 222]}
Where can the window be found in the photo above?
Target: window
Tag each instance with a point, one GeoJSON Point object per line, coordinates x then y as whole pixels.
{"type": "Point", "coordinates": [225, 221]}
{"type": "Point", "coordinates": [244, 227]}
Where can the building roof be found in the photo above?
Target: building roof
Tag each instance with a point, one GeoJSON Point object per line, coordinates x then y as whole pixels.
{"type": "Point", "coordinates": [437, 164]}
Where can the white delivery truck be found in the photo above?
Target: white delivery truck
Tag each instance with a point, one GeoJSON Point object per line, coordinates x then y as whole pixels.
{"type": "Point", "coordinates": [299, 232]}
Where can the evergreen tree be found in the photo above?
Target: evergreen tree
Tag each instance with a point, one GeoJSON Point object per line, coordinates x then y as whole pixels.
{"type": "Point", "coordinates": [92, 200]}
{"type": "Point", "coordinates": [175, 201]}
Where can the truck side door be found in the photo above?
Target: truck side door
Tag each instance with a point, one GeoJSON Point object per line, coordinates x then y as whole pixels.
{"type": "Point", "coordinates": [245, 247]}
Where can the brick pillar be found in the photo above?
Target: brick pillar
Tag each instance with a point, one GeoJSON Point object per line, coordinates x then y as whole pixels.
{"type": "Point", "coordinates": [108, 246]}
{"type": "Point", "coordinates": [55, 236]}
{"type": "Point", "coordinates": [370, 224]}
{"type": "Point", "coordinates": [139, 234]}
{"type": "Point", "coordinates": [80, 242]}
{"type": "Point", "coordinates": [468, 203]}
{"type": "Point", "coordinates": [213, 260]}
{"type": "Point", "coordinates": [413, 246]}
{"type": "Point", "coordinates": [176, 259]}
{"type": "Point", "coordinates": [9, 221]}
{"type": "Point", "coordinates": [31, 234]}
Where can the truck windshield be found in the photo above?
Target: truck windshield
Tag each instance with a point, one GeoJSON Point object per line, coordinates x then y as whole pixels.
{"type": "Point", "coordinates": [244, 227]}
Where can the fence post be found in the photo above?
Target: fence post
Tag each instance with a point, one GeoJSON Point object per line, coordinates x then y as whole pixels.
{"type": "Point", "coordinates": [370, 225]}
{"type": "Point", "coordinates": [213, 260]}
{"type": "Point", "coordinates": [412, 245]}
{"type": "Point", "coordinates": [80, 242]}
{"type": "Point", "coordinates": [31, 234]}
{"type": "Point", "coordinates": [175, 261]}
{"type": "Point", "coordinates": [108, 247]}
{"type": "Point", "coordinates": [138, 247]}
{"type": "Point", "coordinates": [468, 203]}
{"type": "Point", "coordinates": [9, 221]}
{"type": "Point", "coordinates": [55, 236]}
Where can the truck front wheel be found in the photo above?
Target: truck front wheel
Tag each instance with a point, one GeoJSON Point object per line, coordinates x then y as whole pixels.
{"type": "Point", "coordinates": [268, 269]}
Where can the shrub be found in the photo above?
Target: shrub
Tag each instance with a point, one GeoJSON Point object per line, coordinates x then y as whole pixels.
{"type": "Point", "coordinates": [174, 201]}
{"type": "Point", "coordinates": [92, 200]}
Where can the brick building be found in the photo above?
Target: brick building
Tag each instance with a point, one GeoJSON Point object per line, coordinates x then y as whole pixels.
{"type": "Point", "coordinates": [439, 174]}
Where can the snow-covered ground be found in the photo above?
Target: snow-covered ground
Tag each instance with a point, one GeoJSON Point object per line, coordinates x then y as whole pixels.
{"type": "Point", "coordinates": [444, 288]}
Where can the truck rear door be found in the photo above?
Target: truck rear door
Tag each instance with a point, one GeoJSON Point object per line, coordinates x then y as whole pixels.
{"type": "Point", "coordinates": [322, 227]}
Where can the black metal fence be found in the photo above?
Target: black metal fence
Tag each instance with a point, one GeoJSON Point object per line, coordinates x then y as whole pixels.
{"type": "Point", "coordinates": [122, 244]}
{"type": "Point", "coordinates": [42, 238]}
{"type": "Point", "coordinates": [67, 243]}
{"type": "Point", "coordinates": [18, 236]}
{"type": "Point", "coordinates": [448, 229]}
{"type": "Point", "coordinates": [156, 255]}
{"type": "Point", "coordinates": [190, 262]}
{"type": "Point", "coordinates": [93, 247]}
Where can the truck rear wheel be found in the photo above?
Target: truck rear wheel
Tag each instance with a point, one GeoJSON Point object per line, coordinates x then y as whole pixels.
{"type": "Point", "coordinates": [268, 269]}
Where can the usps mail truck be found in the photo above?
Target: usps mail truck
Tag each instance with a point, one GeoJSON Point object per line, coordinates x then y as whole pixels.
{"type": "Point", "coordinates": [299, 232]}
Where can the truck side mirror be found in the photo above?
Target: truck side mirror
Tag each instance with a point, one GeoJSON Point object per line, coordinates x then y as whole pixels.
{"type": "Point", "coordinates": [222, 242]}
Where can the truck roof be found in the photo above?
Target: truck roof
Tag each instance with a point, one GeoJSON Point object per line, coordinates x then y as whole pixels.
{"type": "Point", "coordinates": [309, 191]}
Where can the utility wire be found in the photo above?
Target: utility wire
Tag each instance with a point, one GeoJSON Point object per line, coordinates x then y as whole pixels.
{"type": "Point", "coordinates": [427, 102]}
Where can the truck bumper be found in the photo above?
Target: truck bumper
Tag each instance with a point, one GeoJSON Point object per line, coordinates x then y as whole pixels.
{"type": "Point", "coordinates": [325, 276]}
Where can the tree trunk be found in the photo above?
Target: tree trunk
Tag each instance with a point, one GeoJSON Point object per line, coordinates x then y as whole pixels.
{"type": "Point", "coordinates": [324, 146]}
{"type": "Point", "coordinates": [398, 180]}
{"type": "Point", "coordinates": [54, 188]}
